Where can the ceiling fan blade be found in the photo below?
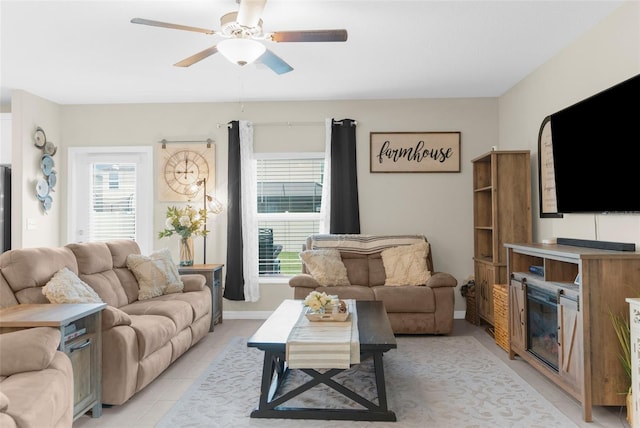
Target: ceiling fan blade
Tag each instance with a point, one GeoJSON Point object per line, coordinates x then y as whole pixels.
{"type": "Point", "coordinates": [310, 36]}
{"type": "Point", "coordinates": [274, 62]}
{"type": "Point", "coordinates": [250, 12]}
{"type": "Point", "coordinates": [172, 26]}
{"type": "Point", "coordinates": [197, 57]}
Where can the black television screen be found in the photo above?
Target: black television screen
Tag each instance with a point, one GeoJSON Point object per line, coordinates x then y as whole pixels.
{"type": "Point", "coordinates": [596, 152]}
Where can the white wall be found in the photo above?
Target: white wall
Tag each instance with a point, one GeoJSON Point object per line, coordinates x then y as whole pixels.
{"type": "Point", "coordinates": [437, 205]}
{"type": "Point", "coordinates": [5, 138]}
{"type": "Point", "coordinates": [601, 58]}
{"type": "Point", "coordinates": [30, 225]}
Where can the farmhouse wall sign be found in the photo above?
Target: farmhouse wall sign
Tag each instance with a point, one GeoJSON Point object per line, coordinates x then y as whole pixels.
{"type": "Point", "coordinates": [415, 152]}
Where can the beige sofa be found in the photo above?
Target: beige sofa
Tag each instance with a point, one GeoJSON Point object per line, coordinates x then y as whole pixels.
{"type": "Point", "coordinates": [412, 309]}
{"type": "Point", "coordinates": [140, 339]}
{"type": "Point", "coordinates": [36, 380]}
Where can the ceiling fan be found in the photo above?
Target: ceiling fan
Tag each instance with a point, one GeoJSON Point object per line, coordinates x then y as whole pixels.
{"type": "Point", "coordinates": [242, 33]}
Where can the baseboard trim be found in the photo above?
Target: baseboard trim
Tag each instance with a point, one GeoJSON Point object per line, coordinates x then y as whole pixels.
{"type": "Point", "coordinates": [263, 315]}
{"type": "Point", "coordinates": [459, 315]}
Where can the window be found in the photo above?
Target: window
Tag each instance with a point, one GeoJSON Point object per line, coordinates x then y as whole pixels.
{"type": "Point", "coordinates": [112, 214]}
{"type": "Point", "coordinates": [289, 189]}
{"type": "Point", "coordinates": [109, 197]}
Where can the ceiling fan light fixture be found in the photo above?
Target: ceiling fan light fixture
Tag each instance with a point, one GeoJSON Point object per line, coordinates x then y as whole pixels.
{"type": "Point", "coordinates": [241, 51]}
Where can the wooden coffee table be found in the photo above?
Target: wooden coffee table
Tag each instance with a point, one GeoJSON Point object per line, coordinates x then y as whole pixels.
{"type": "Point", "coordinates": [376, 338]}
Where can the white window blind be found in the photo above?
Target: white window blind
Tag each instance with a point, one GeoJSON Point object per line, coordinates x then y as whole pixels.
{"type": "Point", "coordinates": [289, 189]}
{"type": "Point", "coordinates": [112, 214]}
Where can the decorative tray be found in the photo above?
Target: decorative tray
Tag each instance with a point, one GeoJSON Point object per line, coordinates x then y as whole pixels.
{"type": "Point", "coordinates": [314, 316]}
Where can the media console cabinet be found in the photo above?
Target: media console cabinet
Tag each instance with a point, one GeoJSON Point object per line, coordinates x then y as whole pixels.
{"type": "Point", "coordinates": [560, 303]}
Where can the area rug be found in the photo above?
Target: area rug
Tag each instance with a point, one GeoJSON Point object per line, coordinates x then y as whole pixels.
{"type": "Point", "coordinates": [431, 381]}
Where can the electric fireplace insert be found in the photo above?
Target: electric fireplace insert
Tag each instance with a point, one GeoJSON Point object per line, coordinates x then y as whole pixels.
{"type": "Point", "coordinates": [542, 325]}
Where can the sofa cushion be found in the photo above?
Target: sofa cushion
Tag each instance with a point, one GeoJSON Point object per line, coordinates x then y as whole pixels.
{"type": "Point", "coordinates": [7, 298]}
{"type": "Point", "coordinates": [44, 398]}
{"type": "Point", "coordinates": [377, 275]}
{"type": "Point", "coordinates": [179, 312]}
{"type": "Point", "coordinates": [152, 333]}
{"type": "Point", "coordinates": [304, 280]}
{"type": "Point", "coordinates": [442, 279]}
{"type": "Point", "coordinates": [95, 267]}
{"type": "Point", "coordinates": [7, 421]}
{"type": "Point", "coordinates": [120, 249]}
{"type": "Point", "coordinates": [36, 347]}
{"type": "Point", "coordinates": [357, 267]}
{"type": "Point", "coordinates": [193, 282]}
{"type": "Point", "coordinates": [112, 317]}
{"type": "Point", "coordinates": [66, 287]}
{"type": "Point", "coordinates": [406, 298]}
{"type": "Point", "coordinates": [326, 266]}
{"type": "Point", "coordinates": [199, 301]}
{"type": "Point", "coordinates": [26, 270]}
{"type": "Point", "coordinates": [156, 274]}
{"type": "Point", "coordinates": [406, 265]}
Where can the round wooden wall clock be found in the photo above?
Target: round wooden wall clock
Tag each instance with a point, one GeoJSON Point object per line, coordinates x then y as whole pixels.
{"type": "Point", "coordinates": [181, 167]}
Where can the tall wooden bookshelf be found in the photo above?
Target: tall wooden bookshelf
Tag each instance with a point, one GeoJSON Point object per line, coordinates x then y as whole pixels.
{"type": "Point", "coordinates": [501, 213]}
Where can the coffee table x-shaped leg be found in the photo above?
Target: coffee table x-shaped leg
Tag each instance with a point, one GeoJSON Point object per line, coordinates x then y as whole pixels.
{"type": "Point", "coordinates": [274, 371]}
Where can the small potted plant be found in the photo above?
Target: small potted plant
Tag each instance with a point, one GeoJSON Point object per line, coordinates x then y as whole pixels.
{"type": "Point", "coordinates": [623, 333]}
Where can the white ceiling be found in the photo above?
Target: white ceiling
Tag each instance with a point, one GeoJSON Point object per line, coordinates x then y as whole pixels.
{"type": "Point", "coordinates": [86, 52]}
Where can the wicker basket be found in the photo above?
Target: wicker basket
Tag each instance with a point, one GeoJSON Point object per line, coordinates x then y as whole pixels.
{"type": "Point", "coordinates": [471, 314]}
{"type": "Point", "coordinates": [500, 315]}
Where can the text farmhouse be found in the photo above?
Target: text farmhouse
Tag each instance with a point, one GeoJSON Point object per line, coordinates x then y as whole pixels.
{"type": "Point", "coordinates": [415, 152]}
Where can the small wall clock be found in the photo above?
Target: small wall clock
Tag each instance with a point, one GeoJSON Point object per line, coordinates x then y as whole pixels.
{"type": "Point", "coordinates": [181, 167]}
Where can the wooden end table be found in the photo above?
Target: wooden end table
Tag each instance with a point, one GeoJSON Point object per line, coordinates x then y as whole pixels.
{"type": "Point", "coordinates": [213, 274]}
{"type": "Point", "coordinates": [81, 330]}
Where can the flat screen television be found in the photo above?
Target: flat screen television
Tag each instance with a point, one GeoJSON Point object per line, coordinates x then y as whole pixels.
{"type": "Point", "coordinates": [596, 152]}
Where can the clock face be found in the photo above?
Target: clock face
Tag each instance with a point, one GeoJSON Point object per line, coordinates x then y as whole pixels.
{"type": "Point", "coordinates": [183, 169]}
{"type": "Point", "coordinates": [180, 167]}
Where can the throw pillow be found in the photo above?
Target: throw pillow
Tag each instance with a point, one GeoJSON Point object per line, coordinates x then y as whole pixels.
{"type": "Point", "coordinates": [406, 265]}
{"type": "Point", "coordinates": [156, 274]}
{"type": "Point", "coordinates": [66, 287]}
{"type": "Point", "coordinates": [326, 266]}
